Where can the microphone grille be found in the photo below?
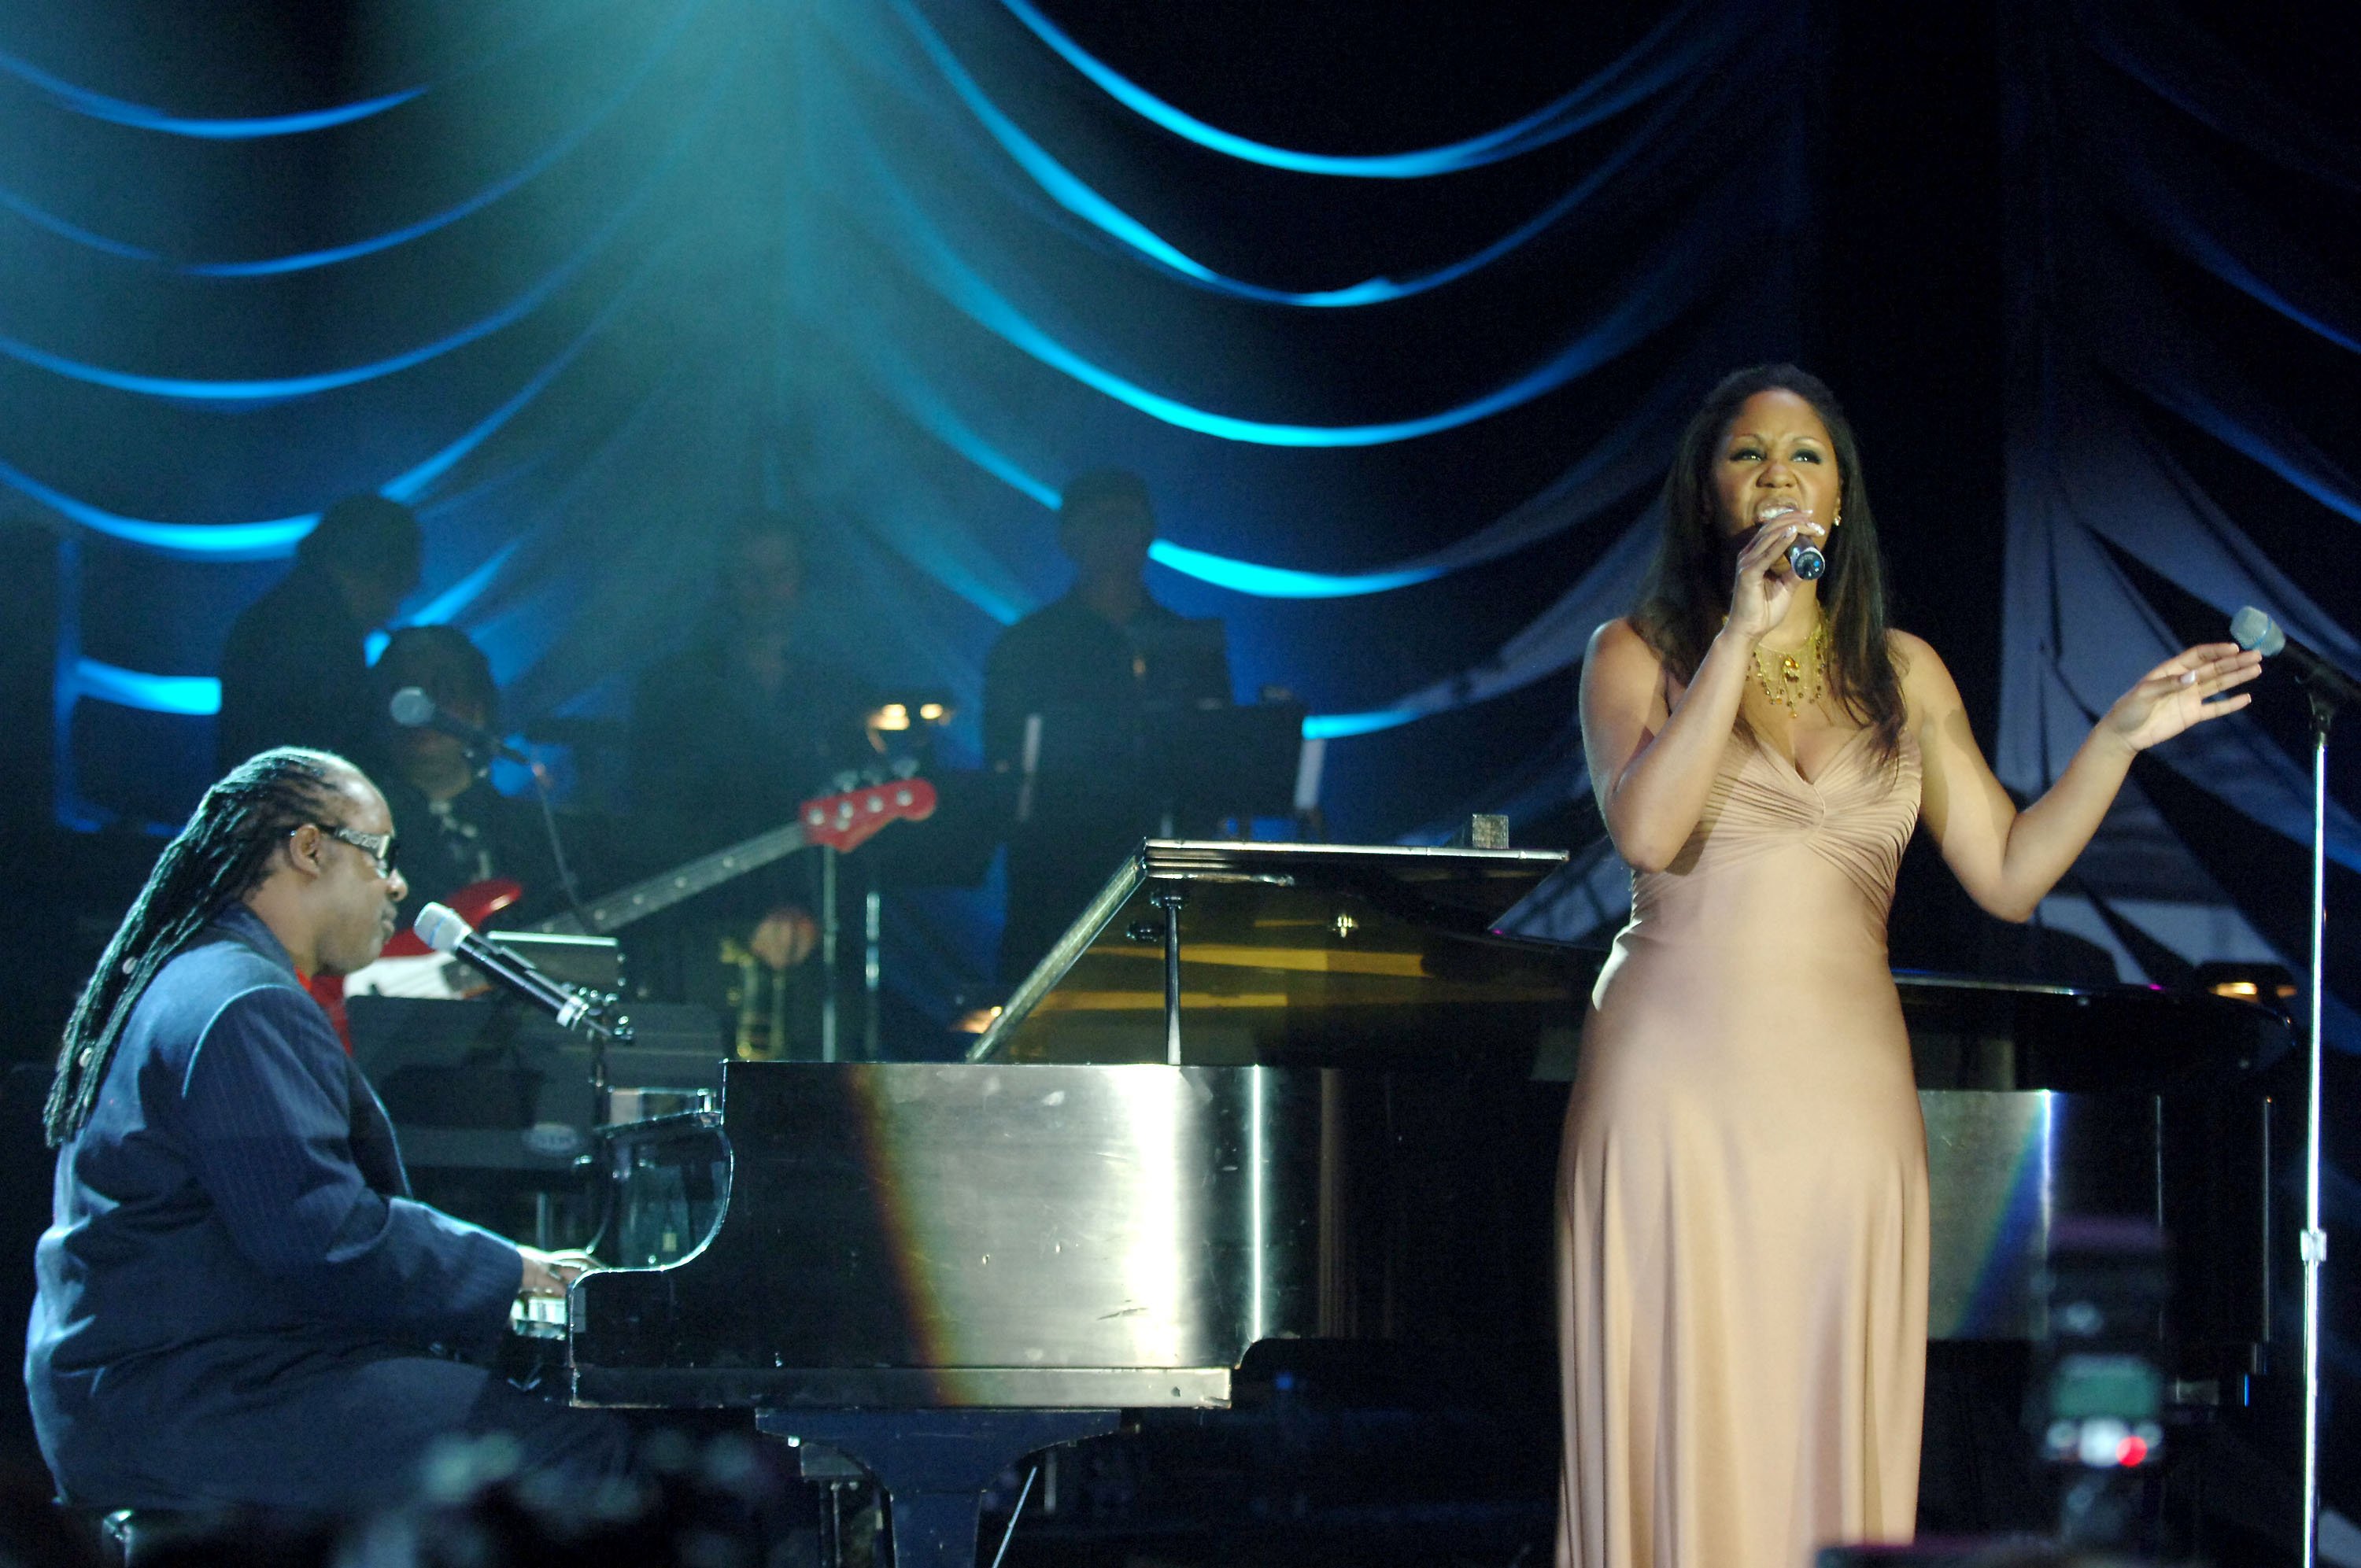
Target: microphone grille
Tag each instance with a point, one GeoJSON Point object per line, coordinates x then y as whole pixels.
{"type": "Point", "coordinates": [2252, 629]}
{"type": "Point", "coordinates": [412, 707]}
{"type": "Point", "coordinates": [439, 926]}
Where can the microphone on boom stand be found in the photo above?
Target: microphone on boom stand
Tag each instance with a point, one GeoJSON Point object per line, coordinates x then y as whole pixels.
{"type": "Point", "coordinates": [2328, 687]}
{"type": "Point", "coordinates": [414, 709]}
{"type": "Point", "coordinates": [441, 928]}
{"type": "Point", "coordinates": [2258, 633]}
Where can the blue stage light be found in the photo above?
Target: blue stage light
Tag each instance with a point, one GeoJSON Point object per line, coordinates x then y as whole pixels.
{"type": "Point", "coordinates": [121, 112]}
{"type": "Point", "coordinates": [1633, 318]}
{"type": "Point", "coordinates": [196, 695]}
{"type": "Point", "coordinates": [1342, 726]}
{"type": "Point", "coordinates": [1278, 582]}
{"type": "Point", "coordinates": [209, 127]}
{"type": "Point", "coordinates": [1070, 192]}
{"type": "Point", "coordinates": [302, 261]}
{"type": "Point", "coordinates": [282, 388]}
{"type": "Point", "coordinates": [277, 538]}
{"type": "Point", "coordinates": [1689, 37]}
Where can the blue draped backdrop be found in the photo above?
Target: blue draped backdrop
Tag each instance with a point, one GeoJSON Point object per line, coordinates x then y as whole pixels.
{"type": "Point", "coordinates": [580, 284]}
{"type": "Point", "coordinates": [583, 280]}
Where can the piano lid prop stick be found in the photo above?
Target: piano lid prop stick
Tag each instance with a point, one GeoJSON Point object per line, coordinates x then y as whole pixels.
{"type": "Point", "coordinates": [1169, 898]}
{"type": "Point", "coordinates": [1030, 764]}
{"type": "Point", "coordinates": [1308, 763]}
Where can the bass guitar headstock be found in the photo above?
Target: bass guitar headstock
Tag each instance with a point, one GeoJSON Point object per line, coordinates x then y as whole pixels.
{"type": "Point", "coordinates": [848, 820]}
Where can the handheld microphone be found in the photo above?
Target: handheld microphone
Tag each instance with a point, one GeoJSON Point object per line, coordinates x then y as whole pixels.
{"type": "Point", "coordinates": [414, 709]}
{"type": "Point", "coordinates": [441, 928]}
{"type": "Point", "coordinates": [1803, 557]}
{"type": "Point", "coordinates": [2252, 629]}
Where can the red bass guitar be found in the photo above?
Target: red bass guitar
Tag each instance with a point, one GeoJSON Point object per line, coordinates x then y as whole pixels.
{"type": "Point", "coordinates": [841, 822]}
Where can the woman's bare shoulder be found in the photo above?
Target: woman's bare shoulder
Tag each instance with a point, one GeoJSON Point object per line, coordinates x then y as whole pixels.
{"type": "Point", "coordinates": [1925, 680]}
{"type": "Point", "coordinates": [1624, 670]}
{"type": "Point", "coordinates": [1619, 645]}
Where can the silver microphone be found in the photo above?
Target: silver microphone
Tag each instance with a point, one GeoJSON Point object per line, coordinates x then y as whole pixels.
{"type": "Point", "coordinates": [2256, 632]}
{"type": "Point", "coordinates": [442, 928]}
{"type": "Point", "coordinates": [1803, 557]}
{"type": "Point", "coordinates": [414, 709]}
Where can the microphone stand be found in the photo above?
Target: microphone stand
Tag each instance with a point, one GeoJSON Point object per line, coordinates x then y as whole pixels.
{"type": "Point", "coordinates": [602, 1093]}
{"type": "Point", "coordinates": [603, 1097]}
{"type": "Point", "coordinates": [483, 756]}
{"type": "Point", "coordinates": [2313, 1243]}
{"type": "Point", "coordinates": [565, 882]}
{"type": "Point", "coordinates": [576, 1008]}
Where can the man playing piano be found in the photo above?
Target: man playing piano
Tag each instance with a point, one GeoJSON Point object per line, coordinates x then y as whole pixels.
{"type": "Point", "coordinates": [239, 1302]}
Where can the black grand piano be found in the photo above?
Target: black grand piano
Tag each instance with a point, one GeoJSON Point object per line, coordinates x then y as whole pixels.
{"type": "Point", "coordinates": [1267, 1093]}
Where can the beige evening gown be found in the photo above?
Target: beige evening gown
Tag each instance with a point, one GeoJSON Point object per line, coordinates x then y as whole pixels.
{"type": "Point", "coordinates": [1742, 1190]}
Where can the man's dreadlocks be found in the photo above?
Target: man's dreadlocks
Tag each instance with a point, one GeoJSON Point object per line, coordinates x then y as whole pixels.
{"type": "Point", "coordinates": [222, 855]}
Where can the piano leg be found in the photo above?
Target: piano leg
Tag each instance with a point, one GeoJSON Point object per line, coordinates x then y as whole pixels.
{"type": "Point", "coordinates": [934, 1465]}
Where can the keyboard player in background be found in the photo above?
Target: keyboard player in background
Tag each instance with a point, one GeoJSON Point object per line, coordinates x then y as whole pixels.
{"type": "Point", "coordinates": [1093, 661]}
{"type": "Point", "coordinates": [457, 831]}
{"type": "Point", "coordinates": [238, 1303]}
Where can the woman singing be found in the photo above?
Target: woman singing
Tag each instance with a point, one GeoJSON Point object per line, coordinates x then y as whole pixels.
{"type": "Point", "coordinates": [1742, 1194]}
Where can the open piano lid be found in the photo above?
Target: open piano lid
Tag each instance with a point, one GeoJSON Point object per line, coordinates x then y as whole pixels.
{"type": "Point", "coordinates": [1292, 951]}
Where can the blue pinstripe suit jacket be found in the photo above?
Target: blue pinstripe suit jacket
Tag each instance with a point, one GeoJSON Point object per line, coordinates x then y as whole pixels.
{"type": "Point", "coordinates": [234, 1210]}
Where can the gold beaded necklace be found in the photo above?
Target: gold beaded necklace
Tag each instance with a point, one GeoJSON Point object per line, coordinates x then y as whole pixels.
{"type": "Point", "coordinates": [1793, 680]}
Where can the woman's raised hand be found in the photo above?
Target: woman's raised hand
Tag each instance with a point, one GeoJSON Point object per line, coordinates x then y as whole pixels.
{"type": "Point", "coordinates": [2183, 690]}
{"type": "Point", "coordinates": [1765, 589]}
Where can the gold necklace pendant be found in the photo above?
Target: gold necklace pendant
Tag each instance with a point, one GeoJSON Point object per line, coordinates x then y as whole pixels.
{"type": "Point", "coordinates": [1792, 681]}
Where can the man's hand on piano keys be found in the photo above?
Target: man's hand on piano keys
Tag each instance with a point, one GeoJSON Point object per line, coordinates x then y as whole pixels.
{"type": "Point", "coordinates": [550, 1273]}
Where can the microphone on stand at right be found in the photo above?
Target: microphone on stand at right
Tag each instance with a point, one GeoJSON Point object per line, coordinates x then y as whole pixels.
{"type": "Point", "coordinates": [2256, 632]}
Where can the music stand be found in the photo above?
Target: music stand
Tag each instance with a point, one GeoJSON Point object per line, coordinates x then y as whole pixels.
{"type": "Point", "coordinates": [1221, 762]}
{"type": "Point", "coordinates": [1182, 762]}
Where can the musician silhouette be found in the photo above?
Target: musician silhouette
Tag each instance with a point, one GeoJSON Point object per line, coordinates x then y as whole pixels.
{"type": "Point", "coordinates": [1088, 666]}
{"type": "Point", "coordinates": [458, 831]}
{"type": "Point", "coordinates": [728, 737]}
{"type": "Point", "coordinates": [294, 672]}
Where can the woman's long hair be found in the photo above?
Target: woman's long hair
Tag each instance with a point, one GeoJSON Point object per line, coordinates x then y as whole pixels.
{"type": "Point", "coordinates": [1687, 595]}
{"type": "Point", "coordinates": [223, 854]}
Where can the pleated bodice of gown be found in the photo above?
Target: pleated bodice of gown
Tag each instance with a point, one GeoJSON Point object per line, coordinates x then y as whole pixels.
{"type": "Point", "coordinates": [1742, 1190]}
